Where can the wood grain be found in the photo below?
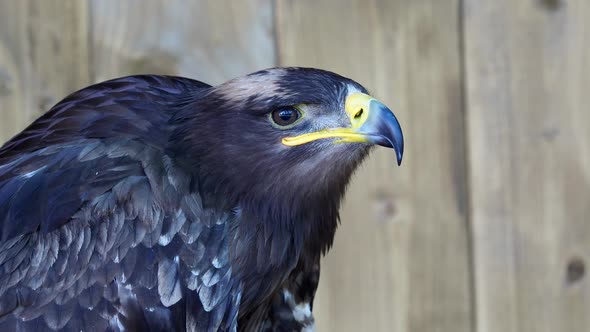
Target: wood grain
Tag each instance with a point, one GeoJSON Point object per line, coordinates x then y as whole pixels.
{"type": "Point", "coordinates": [43, 57]}
{"type": "Point", "coordinates": [209, 40]}
{"type": "Point", "coordinates": [529, 145]}
{"type": "Point", "coordinates": [400, 261]}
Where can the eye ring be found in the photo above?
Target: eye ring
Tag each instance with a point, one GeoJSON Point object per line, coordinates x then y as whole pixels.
{"type": "Point", "coordinates": [285, 117]}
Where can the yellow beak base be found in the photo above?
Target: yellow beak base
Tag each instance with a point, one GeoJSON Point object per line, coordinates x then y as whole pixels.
{"type": "Point", "coordinates": [370, 122]}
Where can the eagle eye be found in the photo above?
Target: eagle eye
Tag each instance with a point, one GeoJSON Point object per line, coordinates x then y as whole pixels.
{"type": "Point", "coordinates": [285, 116]}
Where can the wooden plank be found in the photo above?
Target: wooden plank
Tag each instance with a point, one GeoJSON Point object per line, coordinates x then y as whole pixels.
{"type": "Point", "coordinates": [43, 57]}
{"type": "Point", "coordinates": [529, 146]}
{"type": "Point", "coordinates": [209, 40]}
{"type": "Point", "coordinates": [400, 261]}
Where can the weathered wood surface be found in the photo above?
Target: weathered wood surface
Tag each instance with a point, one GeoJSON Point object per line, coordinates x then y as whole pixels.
{"type": "Point", "coordinates": [528, 72]}
{"type": "Point", "coordinates": [43, 56]}
{"type": "Point", "coordinates": [486, 225]}
{"type": "Point", "coordinates": [210, 40]}
{"type": "Point", "coordinates": [400, 260]}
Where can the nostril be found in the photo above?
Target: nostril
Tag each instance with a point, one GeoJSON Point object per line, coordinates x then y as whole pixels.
{"type": "Point", "coordinates": [358, 114]}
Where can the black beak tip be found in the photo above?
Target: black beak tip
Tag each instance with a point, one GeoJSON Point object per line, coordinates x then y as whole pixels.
{"type": "Point", "coordinates": [399, 151]}
{"type": "Point", "coordinates": [398, 142]}
{"type": "Point", "coordinates": [392, 143]}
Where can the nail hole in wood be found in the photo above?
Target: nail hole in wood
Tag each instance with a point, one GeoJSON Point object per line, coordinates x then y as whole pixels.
{"type": "Point", "coordinates": [550, 134]}
{"type": "Point", "coordinates": [576, 269]}
{"type": "Point", "coordinates": [5, 83]}
{"type": "Point", "coordinates": [385, 207]}
{"type": "Point", "coordinates": [44, 103]}
{"type": "Point", "coordinates": [551, 5]}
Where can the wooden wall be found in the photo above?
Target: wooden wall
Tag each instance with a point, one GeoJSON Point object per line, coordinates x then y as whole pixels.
{"type": "Point", "coordinates": [485, 227]}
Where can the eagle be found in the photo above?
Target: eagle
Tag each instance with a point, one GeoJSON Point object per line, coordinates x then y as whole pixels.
{"type": "Point", "coordinates": [161, 203]}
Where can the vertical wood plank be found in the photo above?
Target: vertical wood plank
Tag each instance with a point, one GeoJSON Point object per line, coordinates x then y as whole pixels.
{"type": "Point", "coordinates": [528, 71]}
{"type": "Point", "coordinates": [43, 57]}
{"type": "Point", "coordinates": [210, 40]}
{"type": "Point", "coordinates": [400, 261]}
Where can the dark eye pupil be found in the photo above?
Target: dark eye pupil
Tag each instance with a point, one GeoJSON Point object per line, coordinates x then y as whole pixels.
{"type": "Point", "coordinates": [285, 116]}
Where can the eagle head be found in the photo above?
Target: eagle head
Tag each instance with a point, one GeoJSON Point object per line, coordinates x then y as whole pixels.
{"type": "Point", "coordinates": [284, 142]}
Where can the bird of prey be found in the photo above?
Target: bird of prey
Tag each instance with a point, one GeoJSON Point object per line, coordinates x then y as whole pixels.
{"type": "Point", "coordinates": [160, 203]}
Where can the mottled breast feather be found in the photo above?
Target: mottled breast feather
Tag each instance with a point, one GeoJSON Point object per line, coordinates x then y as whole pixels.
{"type": "Point", "coordinates": [289, 308]}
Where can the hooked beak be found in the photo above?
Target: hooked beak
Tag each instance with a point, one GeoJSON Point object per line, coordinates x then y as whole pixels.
{"type": "Point", "coordinates": [371, 122]}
